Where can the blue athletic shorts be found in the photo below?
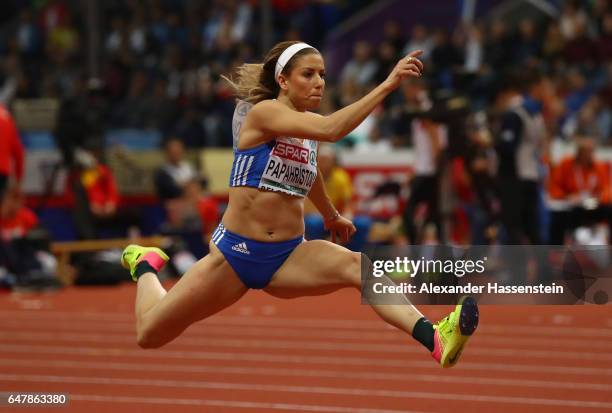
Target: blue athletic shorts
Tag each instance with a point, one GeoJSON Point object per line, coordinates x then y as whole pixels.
{"type": "Point", "coordinates": [255, 262]}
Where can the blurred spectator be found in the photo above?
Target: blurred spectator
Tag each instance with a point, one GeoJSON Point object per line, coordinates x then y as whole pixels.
{"type": "Point", "coordinates": [92, 191]}
{"type": "Point", "coordinates": [117, 34]}
{"type": "Point", "coordinates": [474, 50]}
{"type": "Point", "coordinates": [554, 42]}
{"type": "Point", "coordinates": [202, 125]}
{"type": "Point", "coordinates": [53, 14]}
{"type": "Point", "coordinates": [172, 178]}
{"type": "Point", "coordinates": [158, 28]}
{"type": "Point", "coordinates": [191, 212]}
{"type": "Point", "coordinates": [361, 134]}
{"type": "Point", "coordinates": [339, 188]}
{"type": "Point", "coordinates": [387, 59]}
{"type": "Point", "coordinates": [22, 252]}
{"type": "Point", "coordinates": [580, 49]}
{"type": "Point", "coordinates": [572, 17]}
{"type": "Point", "coordinates": [63, 40]}
{"type": "Point", "coordinates": [11, 152]}
{"type": "Point", "coordinates": [593, 119]}
{"type": "Point", "coordinates": [15, 219]}
{"type": "Point", "coordinates": [429, 140]}
{"type": "Point", "coordinates": [446, 58]}
{"type": "Point", "coordinates": [337, 180]}
{"type": "Point", "coordinates": [463, 206]}
{"type": "Point", "coordinates": [519, 144]}
{"type": "Point", "coordinates": [201, 205]}
{"type": "Point", "coordinates": [375, 143]}
{"type": "Point", "coordinates": [498, 47]}
{"type": "Point", "coordinates": [419, 40]}
{"type": "Point", "coordinates": [480, 166]}
{"type": "Point", "coordinates": [9, 78]}
{"type": "Point", "coordinates": [604, 43]}
{"type": "Point", "coordinates": [580, 192]}
{"type": "Point", "coordinates": [28, 35]}
{"type": "Point", "coordinates": [362, 68]}
{"type": "Point", "coordinates": [578, 89]}
{"type": "Point", "coordinates": [605, 93]}
{"type": "Point", "coordinates": [528, 43]}
{"type": "Point", "coordinates": [138, 33]}
{"type": "Point", "coordinates": [599, 10]}
{"type": "Point", "coordinates": [392, 34]}
{"type": "Point", "coordinates": [81, 119]}
{"type": "Point", "coordinates": [228, 23]}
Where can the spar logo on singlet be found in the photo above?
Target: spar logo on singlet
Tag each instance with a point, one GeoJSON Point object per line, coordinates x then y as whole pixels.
{"type": "Point", "coordinates": [294, 153]}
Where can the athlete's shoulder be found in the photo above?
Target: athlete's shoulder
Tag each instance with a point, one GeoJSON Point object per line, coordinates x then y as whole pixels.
{"type": "Point", "coordinates": [263, 113]}
{"type": "Point", "coordinates": [266, 105]}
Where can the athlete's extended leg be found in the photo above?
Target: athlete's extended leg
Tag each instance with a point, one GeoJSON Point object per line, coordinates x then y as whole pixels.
{"type": "Point", "coordinates": [331, 267]}
{"type": "Point", "coordinates": [209, 286]}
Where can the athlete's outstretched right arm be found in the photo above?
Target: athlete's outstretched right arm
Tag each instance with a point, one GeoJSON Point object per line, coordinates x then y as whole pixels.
{"type": "Point", "coordinates": [271, 118]}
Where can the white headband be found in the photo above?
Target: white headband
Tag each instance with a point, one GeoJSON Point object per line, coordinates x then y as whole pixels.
{"type": "Point", "coordinates": [286, 55]}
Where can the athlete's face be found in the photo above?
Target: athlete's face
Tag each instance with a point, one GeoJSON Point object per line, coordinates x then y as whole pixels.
{"type": "Point", "coordinates": [306, 82]}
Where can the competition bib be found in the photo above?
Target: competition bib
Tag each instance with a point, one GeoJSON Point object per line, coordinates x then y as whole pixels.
{"type": "Point", "coordinates": [291, 167]}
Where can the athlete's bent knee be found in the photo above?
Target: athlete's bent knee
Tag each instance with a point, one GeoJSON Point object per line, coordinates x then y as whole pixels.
{"type": "Point", "coordinates": [351, 269]}
{"type": "Point", "coordinates": [147, 337]}
{"type": "Point", "coordinates": [146, 340]}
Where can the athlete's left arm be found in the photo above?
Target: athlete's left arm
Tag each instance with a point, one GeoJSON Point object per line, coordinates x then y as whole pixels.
{"type": "Point", "coordinates": [333, 221]}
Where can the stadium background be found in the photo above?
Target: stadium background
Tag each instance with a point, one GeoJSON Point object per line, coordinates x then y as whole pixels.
{"type": "Point", "coordinates": [132, 74]}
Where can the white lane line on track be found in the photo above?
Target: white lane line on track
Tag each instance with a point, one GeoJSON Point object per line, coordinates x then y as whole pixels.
{"type": "Point", "coordinates": [231, 403]}
{"type": "Point", "coordinates": [297, 372]}
{"type": "Point", "coordinates": [347, 324]}
{"type": "Point", "coordinates": [291, 359]}
{"type": "Point", "coordinates": [287, 332]}
{"type": "Point", "coordinates": [275, 388]}
{"type": "Point", "coordinates": [300, 345]}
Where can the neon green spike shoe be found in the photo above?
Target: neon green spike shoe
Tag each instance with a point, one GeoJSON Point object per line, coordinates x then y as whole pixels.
{"type": "Point", "coordinates": [134, 254]}
{"type": "Point", "coordinates": [453, 331]}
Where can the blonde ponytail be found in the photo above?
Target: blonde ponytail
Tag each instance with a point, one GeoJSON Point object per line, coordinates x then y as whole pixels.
{"type": "Point", "coordinates": [247, 83]}
{"type": "Point", "coordinates": [254, 82]}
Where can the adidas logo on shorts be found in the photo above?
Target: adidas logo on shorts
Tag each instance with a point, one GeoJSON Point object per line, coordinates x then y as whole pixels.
{"type": "Point", "coordinates": [241, 248]}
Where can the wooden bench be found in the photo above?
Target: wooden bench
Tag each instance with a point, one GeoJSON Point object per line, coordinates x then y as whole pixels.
{"type": "Point", "coordinates": [63, 251]}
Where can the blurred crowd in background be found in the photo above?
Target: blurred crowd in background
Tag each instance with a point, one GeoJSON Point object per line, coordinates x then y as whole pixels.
{"type": "Point", "coordinates": [496, 97]}
{"type": "Point", "coordinates": [163, 61]}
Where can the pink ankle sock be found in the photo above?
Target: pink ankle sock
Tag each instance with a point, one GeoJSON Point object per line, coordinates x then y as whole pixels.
{"type": "Point", "coordinates": [154, 260]}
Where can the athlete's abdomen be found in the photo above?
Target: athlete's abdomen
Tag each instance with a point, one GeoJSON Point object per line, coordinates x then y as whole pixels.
{"type": "Point", "coordinates": [264, 215]}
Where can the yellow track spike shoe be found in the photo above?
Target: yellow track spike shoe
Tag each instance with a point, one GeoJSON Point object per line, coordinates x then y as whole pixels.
{"type": "Point", "coordinates": [452, 332]}
{"type": "Point", "coordinates": [135, 254]}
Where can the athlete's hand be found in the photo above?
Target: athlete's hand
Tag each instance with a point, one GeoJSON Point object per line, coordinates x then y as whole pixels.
{"type": "Point", "coordinates": [341, 228]}
{"type": "Point", "coordinates": [408, 66]}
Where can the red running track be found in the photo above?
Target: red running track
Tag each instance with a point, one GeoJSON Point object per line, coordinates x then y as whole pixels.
{"type": "Point", "coordinates": [316, 354]}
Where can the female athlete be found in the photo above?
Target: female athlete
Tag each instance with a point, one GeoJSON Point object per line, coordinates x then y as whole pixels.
{"type": "Point", "coordinates": [259, 243]}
